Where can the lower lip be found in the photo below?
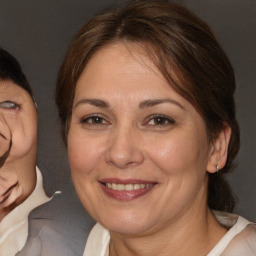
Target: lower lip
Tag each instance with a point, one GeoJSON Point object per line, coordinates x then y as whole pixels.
{"type": "Point", "coordinates": [125, 195]}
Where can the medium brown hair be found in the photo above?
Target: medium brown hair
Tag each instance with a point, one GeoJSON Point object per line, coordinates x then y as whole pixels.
{"type": "Point", "coordinates": [187, 54]}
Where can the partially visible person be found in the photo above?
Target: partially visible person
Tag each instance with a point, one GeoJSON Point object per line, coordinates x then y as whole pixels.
{"type": "Point", "coordinates": [146, 101]}
{"type": "Point", "coordinates": [21, 185]}
{"type": "Point", "coordinates": [30, 223]}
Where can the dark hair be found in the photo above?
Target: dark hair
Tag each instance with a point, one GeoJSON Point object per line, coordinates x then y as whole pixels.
{"type": "Point", "coordinates": [10, 69]}
{"type": "Point", "coordinates": [187, 54]}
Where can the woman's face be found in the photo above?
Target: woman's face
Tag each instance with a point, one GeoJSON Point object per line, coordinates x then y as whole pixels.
{"type": "Point", "coordinates": [138, 151]}
{"type": "Point", "coordinates": [18, 125]}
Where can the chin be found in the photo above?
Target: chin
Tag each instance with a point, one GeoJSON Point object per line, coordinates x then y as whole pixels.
{"type": "Point", "coordinates": [127, 224]}
{"type": "Point", "coordinates": [125, 229]}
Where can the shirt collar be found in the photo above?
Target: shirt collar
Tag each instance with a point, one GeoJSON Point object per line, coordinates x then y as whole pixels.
{"type": "Point", "coordinates": [20, 213]}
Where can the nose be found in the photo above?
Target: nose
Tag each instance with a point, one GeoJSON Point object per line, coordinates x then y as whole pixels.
{"type": "Point", "coordinates": [124, 149]}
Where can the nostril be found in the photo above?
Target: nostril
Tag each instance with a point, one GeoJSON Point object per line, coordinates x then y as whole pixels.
{"type": "Point", "coordinates": [122, 161]}
{"type": "Point", "coordinates": [123, 151]}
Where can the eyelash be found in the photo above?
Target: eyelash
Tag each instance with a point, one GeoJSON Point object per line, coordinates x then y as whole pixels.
{"type": "Point", "coordinates": [90, 120]}
{"type": "Point", "coordinates": [158, 119]}
{"type": "Point", "coordinates": [164, 120]}
{"type": "Point", "coordinates": [9, 105]}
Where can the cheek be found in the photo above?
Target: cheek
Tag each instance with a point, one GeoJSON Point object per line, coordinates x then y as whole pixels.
{"type": "Point", "coordinates": [83, 159]}
{"type": "Point", "coordinates": [83, 153]}
{"type": "Point", "coordinates": [179, 153]}
{"type": "Point", "coordinates": [182, 163]}
{"type": "Point", "coordinates": [167, 154]}
{"type": "Point", "coordinates": [24, 135]}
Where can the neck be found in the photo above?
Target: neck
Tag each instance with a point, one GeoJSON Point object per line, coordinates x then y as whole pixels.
{"type": "Point", "coordinates": [194, 235]}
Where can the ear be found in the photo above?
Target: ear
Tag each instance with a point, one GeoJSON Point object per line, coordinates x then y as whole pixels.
{"type": "Point", "coordinates": [219, 150]}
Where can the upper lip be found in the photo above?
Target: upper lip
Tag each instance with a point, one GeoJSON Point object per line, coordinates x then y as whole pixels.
{"type": "Point", "coordinates": [126, 181]}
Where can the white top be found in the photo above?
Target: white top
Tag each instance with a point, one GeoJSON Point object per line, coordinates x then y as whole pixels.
{"type": "Point", "coordinates": [99, 238]}
{"type": "Point", "coordinates": [14, 226]}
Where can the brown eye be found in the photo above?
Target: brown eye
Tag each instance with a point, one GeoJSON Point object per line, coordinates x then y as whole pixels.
{"type": "Point", "coordinates": [160, 120]}
{"type": "Point", "coordinates": [94, 120]}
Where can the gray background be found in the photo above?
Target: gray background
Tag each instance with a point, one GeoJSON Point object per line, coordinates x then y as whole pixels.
{"type": "Point", "coordinates": [37, 33]}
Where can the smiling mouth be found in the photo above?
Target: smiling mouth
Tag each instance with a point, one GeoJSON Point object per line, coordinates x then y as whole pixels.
{"type": "Point", "coordinates": [127, 187]}
{"type": "Point", "coordinates": [126, 190]}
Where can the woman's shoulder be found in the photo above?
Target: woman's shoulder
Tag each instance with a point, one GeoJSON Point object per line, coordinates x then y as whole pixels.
{"type": "Point", "coordinates": [244, 243]}
{"type": "Point", "coordinates": [241, 237]}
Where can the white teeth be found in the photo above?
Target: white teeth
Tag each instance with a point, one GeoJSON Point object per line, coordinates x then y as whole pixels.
{"type": "Point", "coordinates": [120, 187]}
{"type": "Point", "coordinates": [114, 186]}
{"type": "Point", "coordinates": [136, 186]}
{"type": "Point", "coordinates": [127, 187]}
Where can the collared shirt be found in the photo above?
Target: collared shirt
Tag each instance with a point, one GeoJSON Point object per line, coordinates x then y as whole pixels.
{"type": "Point", "coordinates": [239, 240]}
{"type": "Point", "coordinates": [14, 226]}
{"type": "Point", "coordinates": [58, 228]}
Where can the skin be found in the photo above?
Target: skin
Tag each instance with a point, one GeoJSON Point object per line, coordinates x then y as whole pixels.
{"type": "Point", "coordinates": [129, 126]}
{"type": "Point", "coordinates": [18, 124]}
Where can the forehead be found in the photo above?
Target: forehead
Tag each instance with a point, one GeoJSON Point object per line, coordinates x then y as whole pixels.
{"type": "Point", "coordinates": [135, 53]}
{"type": "Point", "coordinates": [150, 58]}
{"type": "Point", "coordinates": [10, 89]}
{"type": "Point", "coordinates": [118, 61]}
{"type": "Point", "coordinates": [118, 73]}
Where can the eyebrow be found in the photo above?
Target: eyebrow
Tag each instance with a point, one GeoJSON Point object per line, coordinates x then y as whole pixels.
{"type": "Point", "coordinates": [93, 102]}
{"type": "Point", "coordinates": [144, 104]}
{"type": "Point", "coordinates": [154, 102]}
